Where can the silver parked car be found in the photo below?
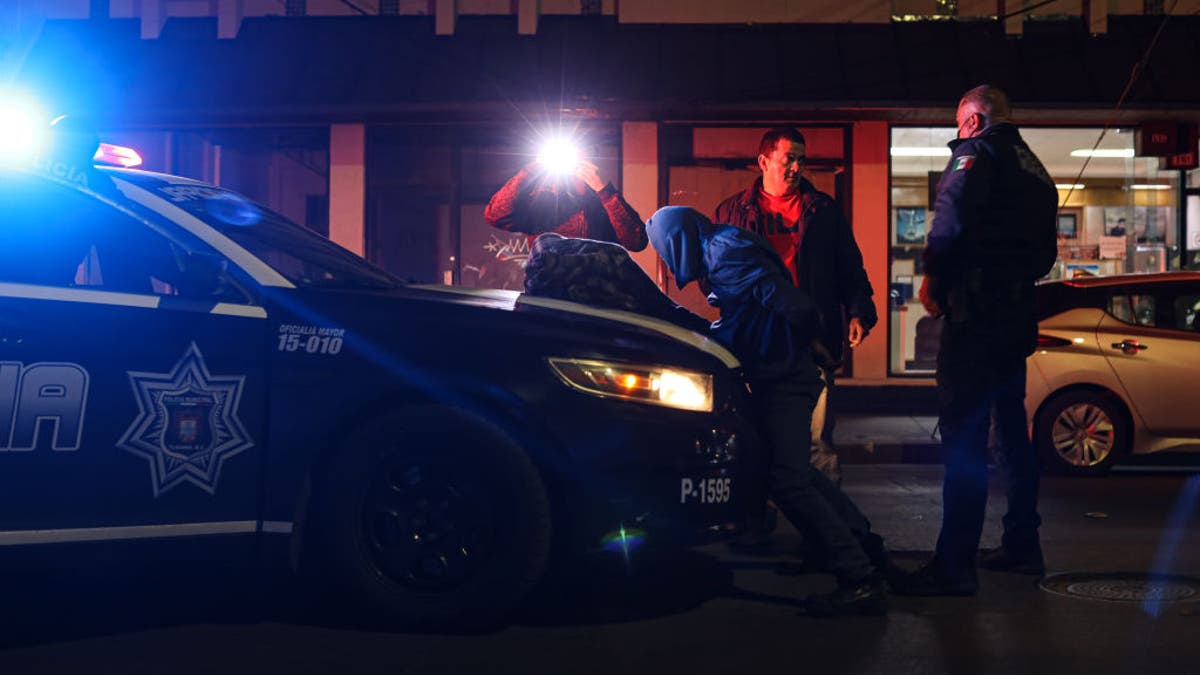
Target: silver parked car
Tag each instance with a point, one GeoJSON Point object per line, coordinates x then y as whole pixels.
{"type": "Point", "coordinates": [1117, 370]}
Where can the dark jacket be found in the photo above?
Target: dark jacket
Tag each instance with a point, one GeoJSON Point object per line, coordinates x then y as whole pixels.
{"type": "Point", "coordinates": [765, 321]}
{"type": "Point", "coordinates": [599, 274]}
{"type": "Point", "coordinates": [993, 236]}
{"type": "Point", "coordinates": [830, 265]}
{"type": "Point", "coordinates": [533, 203]}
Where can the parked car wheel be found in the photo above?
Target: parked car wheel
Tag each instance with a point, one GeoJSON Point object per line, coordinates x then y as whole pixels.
{"type": "Point", "coordinates": [1082, 433]}
{"type": "Point", "coordinates": [433, 520]}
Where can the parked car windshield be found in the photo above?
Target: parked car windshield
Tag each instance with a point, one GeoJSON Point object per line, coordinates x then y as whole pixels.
{"type": "Point", "coordinates": [302, 256]}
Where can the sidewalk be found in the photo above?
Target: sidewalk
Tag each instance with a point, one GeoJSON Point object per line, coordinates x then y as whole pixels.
{"type": "Point", "coordinates": [887, 439]}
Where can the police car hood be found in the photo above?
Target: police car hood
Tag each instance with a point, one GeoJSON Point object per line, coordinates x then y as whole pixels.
{"type": "Point", "coordinates": [614, 321]}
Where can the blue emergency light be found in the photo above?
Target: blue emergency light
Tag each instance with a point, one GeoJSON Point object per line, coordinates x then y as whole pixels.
{"type": "Point", "coordinates": [23, 131]}
{"type": "Point", "coordinates": [27, 135]}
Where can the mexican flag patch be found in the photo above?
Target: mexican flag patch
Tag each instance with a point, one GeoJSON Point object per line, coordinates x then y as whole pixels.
{"type": "Point", "coordinates": [963, 163]}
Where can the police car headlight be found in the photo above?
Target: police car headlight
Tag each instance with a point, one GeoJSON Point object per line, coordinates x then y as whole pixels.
{"type": "Point", "coordinates": [656, 385]}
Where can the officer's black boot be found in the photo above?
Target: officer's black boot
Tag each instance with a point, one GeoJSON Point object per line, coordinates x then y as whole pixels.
{"type": "Point", "coordinates": [1019, 560]}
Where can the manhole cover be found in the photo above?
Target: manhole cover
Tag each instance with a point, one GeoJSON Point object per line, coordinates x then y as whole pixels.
{"type": "Point", "coordinates": [1124, 587]}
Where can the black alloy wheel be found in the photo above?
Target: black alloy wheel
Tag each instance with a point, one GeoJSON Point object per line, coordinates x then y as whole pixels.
{"type": "Point", "coordinates": [428, 525]}
{"type": "Point", "coordinates": [430, 518]}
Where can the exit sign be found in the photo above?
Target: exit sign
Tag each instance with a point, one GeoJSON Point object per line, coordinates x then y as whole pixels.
{"type": "Point", "coordinates": [1174, 142]}
{"type": "Point", "coordinates": [1157, 139]}
{"type": "Point", "coordinates": [1186, 160]}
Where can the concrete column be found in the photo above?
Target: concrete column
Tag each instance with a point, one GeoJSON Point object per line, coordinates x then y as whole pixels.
{"type": "Point", "coordinates": [1096, 15]}
{"type": "Point", "coordinates": [154, 17]}
{"type": "Point", "coordinates": [639, 179]}
{"type": "Point", "coordinates": [229, 18]}
{"type": "Point", "coordinates": [527, 16]}
{"type": "Point", "coordinates": [348, 186]}
{"type": "Point", "coordinates": [869, 194]}
{"type": "Point", "coordinates": [444, 14]}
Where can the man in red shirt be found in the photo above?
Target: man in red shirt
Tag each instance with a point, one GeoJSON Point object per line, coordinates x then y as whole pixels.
{"type": "Point", "coordinates": [809, 232]}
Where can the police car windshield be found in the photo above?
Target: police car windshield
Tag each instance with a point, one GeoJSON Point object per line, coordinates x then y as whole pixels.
{"type": "Point", "coordinates": [302, 256]}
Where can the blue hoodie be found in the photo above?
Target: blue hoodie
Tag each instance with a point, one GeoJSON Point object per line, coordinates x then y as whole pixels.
{"type": "Point", "coordinates": [766, 321]}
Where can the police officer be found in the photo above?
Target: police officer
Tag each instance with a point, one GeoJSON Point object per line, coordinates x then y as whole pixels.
{"type": "Point", "coordinates": [993, 236]}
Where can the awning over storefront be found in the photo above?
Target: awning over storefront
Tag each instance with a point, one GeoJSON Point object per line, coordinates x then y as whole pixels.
{"type": "Point", "coordinates": [386, 68]}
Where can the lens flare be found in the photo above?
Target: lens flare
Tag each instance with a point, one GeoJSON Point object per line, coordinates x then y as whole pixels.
{"type": "Point", "coordinates": [1172, 537]}
{"type": "Point", "coordinates": [559, 156]}
{"type": "Point", "coordinates": [233, 210]}
{"type": "Point", "coordinates": [624, 540]}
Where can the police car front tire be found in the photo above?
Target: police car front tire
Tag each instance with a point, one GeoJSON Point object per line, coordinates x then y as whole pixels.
{"type": "Point", "coordinates": [433, 520]}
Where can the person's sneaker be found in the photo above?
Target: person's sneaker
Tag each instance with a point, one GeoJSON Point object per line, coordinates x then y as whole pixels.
{"type": "Point", "coordinates": [868, 598]}
{"type": "Point", "coordinates": [1001, 559]}
{"type": "Point", "coordinates": [931, 581]}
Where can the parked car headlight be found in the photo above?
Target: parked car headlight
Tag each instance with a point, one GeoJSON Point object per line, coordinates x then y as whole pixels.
{"type": "Point", "coordinates": [656, 385]}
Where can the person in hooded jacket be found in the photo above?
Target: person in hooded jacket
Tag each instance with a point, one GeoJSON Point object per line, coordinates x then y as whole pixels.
{"type": "Point", "coordinates": [770, 325]}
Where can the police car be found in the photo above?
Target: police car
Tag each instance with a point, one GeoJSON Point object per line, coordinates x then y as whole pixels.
{"type": "Point", "coordinates": [178, 361]}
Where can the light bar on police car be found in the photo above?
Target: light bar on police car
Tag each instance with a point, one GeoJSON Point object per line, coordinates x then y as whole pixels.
{"type": "Point", "coordinates": [656, 385]}
{"type": "Point", "coordinates": [116, 155]}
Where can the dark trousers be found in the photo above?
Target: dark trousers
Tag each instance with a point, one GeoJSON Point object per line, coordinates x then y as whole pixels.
{"type": "Point", "coordinates": [823, 514]}
{"type": "Point", "coordinates": [975, 387]}
{"type": "Point", "coordinates": [830, 421]}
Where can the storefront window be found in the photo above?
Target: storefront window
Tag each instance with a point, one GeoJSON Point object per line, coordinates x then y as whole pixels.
{"type": "Point", "coordinates": [427, 187]}
{"type": "Point", "coordinates": [1117, 213]}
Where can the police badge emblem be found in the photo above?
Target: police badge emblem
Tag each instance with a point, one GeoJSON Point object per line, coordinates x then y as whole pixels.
{"type": "Point", "coordinates": [187, 426]}
{"type": "Point", "coordinates": [189, 423]}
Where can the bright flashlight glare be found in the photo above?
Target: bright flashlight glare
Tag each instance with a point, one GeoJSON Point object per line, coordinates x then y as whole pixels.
{"type": "Point", "coordinates": [559, 156]}
{"type": "Point", "coordinates": [22, 132]}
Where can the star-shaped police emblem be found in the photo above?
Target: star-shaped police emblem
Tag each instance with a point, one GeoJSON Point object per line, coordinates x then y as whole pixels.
{"type": "Point", "coordinates": [187, 425]}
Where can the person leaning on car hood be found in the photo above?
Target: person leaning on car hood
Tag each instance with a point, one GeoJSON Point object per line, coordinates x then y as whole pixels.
{"type": "Point", "coordinates": [770, 325]}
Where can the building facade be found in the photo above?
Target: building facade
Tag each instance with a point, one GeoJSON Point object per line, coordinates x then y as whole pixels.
{"type": "Point", "coordinates": [387, 124]}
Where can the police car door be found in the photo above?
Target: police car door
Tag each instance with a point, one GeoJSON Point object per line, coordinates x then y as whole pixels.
{"type": "Point", "coordinates": [131, 378]}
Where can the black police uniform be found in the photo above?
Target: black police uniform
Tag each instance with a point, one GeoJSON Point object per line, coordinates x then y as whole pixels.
{"type": "Point", "coordinates": [993, 235]}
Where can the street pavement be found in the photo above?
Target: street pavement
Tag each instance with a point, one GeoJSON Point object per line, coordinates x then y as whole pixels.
{"type": "Point", "coordinates": [701, 611]}
{"type": "Point", "coordinates": [887, 439]}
